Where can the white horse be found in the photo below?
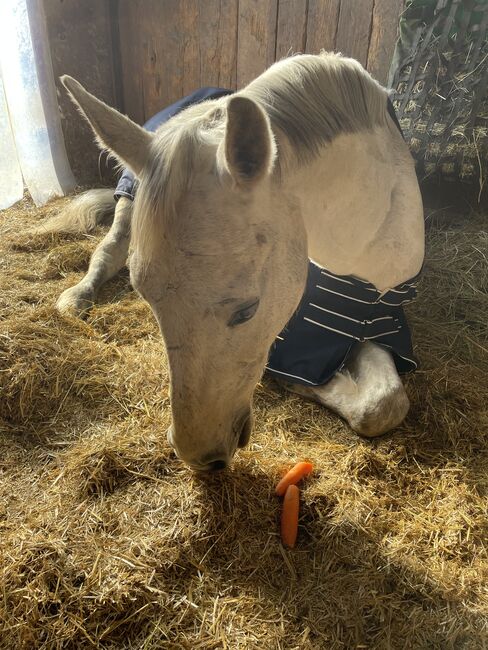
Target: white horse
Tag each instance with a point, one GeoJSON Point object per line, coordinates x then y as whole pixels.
{"type": "Point", "coordinates": [235, 195]}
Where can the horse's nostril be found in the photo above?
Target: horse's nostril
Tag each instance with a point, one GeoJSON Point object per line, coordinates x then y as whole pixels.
{"type": "Point", "coordinates": [217, 465]}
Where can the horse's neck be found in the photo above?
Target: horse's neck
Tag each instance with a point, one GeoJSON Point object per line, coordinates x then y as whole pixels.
{"type": "Point", "coordinates": [361, 207]}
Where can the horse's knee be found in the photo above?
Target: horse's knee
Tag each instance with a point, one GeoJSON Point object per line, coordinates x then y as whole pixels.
{"type": "Point", "coordinates": [383, 415]}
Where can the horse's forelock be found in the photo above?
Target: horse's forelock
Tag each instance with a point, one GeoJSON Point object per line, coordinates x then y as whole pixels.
{"type": "Point", "coordinates": [169, 171]}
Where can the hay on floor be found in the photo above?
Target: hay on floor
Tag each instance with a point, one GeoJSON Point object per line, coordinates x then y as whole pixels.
{"type": "Point", "coordinates": [107, 541]}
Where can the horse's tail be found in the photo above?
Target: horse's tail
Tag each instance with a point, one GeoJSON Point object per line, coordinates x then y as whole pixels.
{"type": "Point", "coordinates": [83, 214]}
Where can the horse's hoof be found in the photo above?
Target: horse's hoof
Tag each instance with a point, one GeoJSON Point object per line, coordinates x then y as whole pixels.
{"type": "Point", "coordinates": [76, 301]}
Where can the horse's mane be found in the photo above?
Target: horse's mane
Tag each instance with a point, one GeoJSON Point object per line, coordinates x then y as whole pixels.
{"type": "Point", "coordinates": [311, 99]}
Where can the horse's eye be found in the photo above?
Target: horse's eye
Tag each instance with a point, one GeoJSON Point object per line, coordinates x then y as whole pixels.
{"type": "Point", "coordinates": [244, 313]}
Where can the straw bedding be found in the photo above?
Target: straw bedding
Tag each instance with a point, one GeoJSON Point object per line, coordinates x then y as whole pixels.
{"type": "Point", "coordinates": [107, 541]}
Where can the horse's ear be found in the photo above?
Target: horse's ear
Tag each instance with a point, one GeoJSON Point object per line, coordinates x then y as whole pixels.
{"type": "Point", "coordinates": [249, 145]}
{"type": "Point", "coordinates": [128, 142]}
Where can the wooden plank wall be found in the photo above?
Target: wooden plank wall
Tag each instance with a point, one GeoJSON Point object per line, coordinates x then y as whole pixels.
{"type": "Point", "coordinates": [80, 37]}
{"type": "Point", "coordinates": [141, 55]}
{"type": "Point", "coordinates": [171, 47]}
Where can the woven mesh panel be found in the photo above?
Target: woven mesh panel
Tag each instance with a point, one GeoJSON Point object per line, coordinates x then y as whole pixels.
{"type": "Point", "coordinates": [440, 78]}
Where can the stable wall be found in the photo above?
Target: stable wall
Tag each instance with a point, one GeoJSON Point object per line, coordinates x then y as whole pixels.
{"type": "Point", "coordinates": [141, 55]}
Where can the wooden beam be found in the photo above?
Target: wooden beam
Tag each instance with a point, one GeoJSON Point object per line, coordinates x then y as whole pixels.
{"type": "Point", "coordinates": [291, 33]}
{"type": "Point", "coordinates": [217, 28]}
{"type": "Point", "coordinates": [354, 28]}
{"type": "Point", "coordinates": [322, 22]}
{"type": "Point", "coordinates": [384, 33]}
{"type": "Point", "coordinates": [256, 40]}
{"type": "Point", "coordinates": [81, 46]}
{"type": "Point", "coordinates": [170, 48]}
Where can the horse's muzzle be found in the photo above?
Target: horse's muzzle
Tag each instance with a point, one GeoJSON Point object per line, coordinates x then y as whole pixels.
{"type": "Point", "coordinates": [241, 430]}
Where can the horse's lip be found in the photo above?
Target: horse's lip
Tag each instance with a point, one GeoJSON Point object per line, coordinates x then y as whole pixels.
{"type": "Point", "coordinates": [244, 429]}
{"type": "Point", "coordinates": [202, 469]}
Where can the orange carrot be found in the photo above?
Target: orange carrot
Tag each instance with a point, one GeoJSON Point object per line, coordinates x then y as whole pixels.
{"type": "Point", "coordinates": [289, 516]}
{"type": "Point", "coordinates": [293, 476]}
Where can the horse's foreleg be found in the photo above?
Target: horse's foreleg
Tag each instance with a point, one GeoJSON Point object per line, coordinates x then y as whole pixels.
{"type": "Point", "coordinates": [368, 393]}
{"type": "Point", "coordinates": [109, 257]}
